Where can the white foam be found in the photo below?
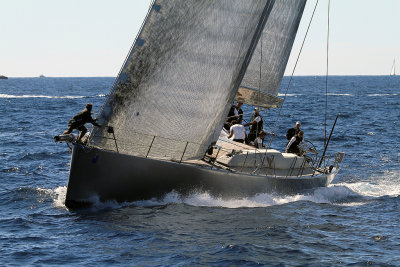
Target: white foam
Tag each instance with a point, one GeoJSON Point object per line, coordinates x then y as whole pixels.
{"type": "Point", "coordinates": [348, 194]}
{"type": "Point", "coordinates": [335, 194]}
{"type": "Point", "coordinates": [339, 94]}
{"type": "Point", "coordinates": [41, 96]}
{"type": "Point", "coordinates": [382, 94]}
{"type": "Point", "coordinates": [279, 94]}
{"type": "Point", "coordinates": [59, 196]}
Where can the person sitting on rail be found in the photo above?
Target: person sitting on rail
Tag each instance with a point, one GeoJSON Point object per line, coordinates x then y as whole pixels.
{"type": "Point", "coordinates": [237, 131]}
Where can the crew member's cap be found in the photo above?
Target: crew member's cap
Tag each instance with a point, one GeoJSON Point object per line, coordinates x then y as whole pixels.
{"type": "Point", "coordinates": [257, 109]}
{"type": "Point", "coordinates": [298, 122]}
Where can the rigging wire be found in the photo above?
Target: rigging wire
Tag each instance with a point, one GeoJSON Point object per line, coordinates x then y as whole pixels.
{"type": "Point", "coordinates": [261, 60]}
{"type": "Point", "coordinates": [327, 72]}
{"type": "Point", "coordinates": [291, 76]}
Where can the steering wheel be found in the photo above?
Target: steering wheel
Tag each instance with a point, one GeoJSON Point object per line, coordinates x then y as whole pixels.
{"type": "Point", "coordinates": [310, 151]}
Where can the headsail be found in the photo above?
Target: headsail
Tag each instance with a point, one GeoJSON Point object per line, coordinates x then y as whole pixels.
{"type": "Point", "coordinates": [271, 55]}
{"type": "Point", "coordinates": [181, 76]}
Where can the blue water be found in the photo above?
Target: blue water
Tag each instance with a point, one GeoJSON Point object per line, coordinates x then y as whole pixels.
{"type": "Point", "coordinates": [355, 221]}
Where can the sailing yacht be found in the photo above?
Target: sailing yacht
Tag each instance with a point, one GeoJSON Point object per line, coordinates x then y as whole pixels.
{"type": "Point", "coordinates": [393, 71]}
{"type": "Point", "coordinates": [163, 117]}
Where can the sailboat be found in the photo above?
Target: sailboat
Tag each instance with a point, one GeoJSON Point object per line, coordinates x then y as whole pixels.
{"type": "Point", "coordinates": [163, 117]}
{"type": "Point", "coordinates": [393, 71]}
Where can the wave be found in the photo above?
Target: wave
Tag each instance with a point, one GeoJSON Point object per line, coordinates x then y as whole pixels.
{"type": "Point", "coordinates": [281, 95]}
{"type": "Point", "coordinates": [335, 94]}
{"type": "Point", "coordinates": [47, 96]}
{"type": "Point", "coordinates": [382, 94]}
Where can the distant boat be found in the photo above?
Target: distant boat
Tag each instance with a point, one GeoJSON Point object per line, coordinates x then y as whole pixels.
{"type": "Point", "coordinates": [42, 76]}
{"type": "Point", "coordinates": [3, 77]}
{"type": "Point", "coordinates": [393, 72]}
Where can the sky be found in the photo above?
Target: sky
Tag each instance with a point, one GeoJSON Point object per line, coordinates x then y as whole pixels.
{"type": "Point", "coordinates": [86, 38]}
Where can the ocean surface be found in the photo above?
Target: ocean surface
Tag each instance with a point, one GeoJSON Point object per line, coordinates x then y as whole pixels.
{"type": "Point", "coordinates": [353, 222]}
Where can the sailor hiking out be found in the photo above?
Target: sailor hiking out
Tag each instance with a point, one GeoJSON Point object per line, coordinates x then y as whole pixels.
{"type": "Point", "coordinates": [78, 122]}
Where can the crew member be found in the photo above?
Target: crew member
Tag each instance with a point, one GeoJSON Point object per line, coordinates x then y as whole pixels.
{"type": "Point", "coordinates": [237, 131]}
{"type": "Point", "coordinates": [293, 131]}
{"type": "Point", "coordinates": [293, 145]}
{"type": "Point", "coordinates": [256, 125]}
{"type": "Point", "coordinates": [259, 141]}
{"type": "Point", "coordinates": [79, 120]}
{"type": "Point", "coordinates": [235, 113]}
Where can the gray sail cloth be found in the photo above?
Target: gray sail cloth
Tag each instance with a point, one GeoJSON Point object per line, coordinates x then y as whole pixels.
{"type": "Point", "coordinates": [181, 76]}
{"type": "Point", "coordinates": [273, 52]}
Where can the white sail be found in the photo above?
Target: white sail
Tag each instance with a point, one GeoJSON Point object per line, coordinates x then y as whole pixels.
{"type": "Point", "coordinates": [393, 72]}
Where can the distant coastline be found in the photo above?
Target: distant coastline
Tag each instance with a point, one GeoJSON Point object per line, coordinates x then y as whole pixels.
{"type": "Point", "coordinates": [3, 77]}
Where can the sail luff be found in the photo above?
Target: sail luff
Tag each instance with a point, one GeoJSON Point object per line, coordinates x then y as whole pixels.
{"type": "Point", "coordinates": [132, 48]}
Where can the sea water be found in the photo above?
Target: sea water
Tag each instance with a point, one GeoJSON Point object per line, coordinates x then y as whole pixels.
{"type": "Point", "coordinates": [355, 221]}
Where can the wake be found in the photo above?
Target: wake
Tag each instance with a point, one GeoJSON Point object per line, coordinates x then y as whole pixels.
{"type": "Point", "coordinates": [344, 194]}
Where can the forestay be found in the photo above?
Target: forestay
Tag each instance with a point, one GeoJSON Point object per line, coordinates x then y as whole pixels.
{"type": "Point", "coordinates": [271, 55]}
{"type": "Point", "coordinates": [180, 77]}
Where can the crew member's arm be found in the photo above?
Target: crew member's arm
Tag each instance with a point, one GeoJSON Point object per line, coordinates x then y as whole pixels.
{"type": "Point", "coordinates": [290, 143]}
{"type": "Point", "coordinates": [230, 134]}
{"type": "Point", "coordinates": [93, 121]}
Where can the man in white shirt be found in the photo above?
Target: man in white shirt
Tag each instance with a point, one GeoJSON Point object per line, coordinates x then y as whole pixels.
{"type": "Point", "coordinates": [238, 132]}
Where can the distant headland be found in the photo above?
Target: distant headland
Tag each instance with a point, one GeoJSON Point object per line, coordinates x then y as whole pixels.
{"type": "Point", "coordinates": [3, 77]}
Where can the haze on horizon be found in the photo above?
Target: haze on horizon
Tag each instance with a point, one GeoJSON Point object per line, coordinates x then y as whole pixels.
{"type": "Point", "coordinates": [92, 38]}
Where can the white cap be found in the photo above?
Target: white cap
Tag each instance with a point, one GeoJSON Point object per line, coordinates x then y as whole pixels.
{"type": "Point", "coordinates": [297, 122]}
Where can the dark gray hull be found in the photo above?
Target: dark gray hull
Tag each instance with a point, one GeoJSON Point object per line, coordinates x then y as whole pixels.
{"type": "Point", "coordinates": [112, 176]}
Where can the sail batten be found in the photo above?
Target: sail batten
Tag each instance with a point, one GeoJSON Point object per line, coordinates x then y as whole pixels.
{"type": "Point", "coordinates": [183, 72]}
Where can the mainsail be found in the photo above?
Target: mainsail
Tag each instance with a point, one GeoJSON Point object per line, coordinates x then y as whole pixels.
{"type": "Point", "coordinates": [264, 74]}
{"type": "Point", "coordinates": [182, 74]}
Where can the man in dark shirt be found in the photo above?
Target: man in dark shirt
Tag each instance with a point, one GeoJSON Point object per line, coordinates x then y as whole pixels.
{"type": "Point", "coordinates": [293, 145]}
{"type": "Point", "coordinates": [235, 113]}
{"type": "Point", "coordinates": [293, 131]}
{"type": "Point", "coordinates": [79, 120]}
{"type": "Point", "coordinates": [256, 126]}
